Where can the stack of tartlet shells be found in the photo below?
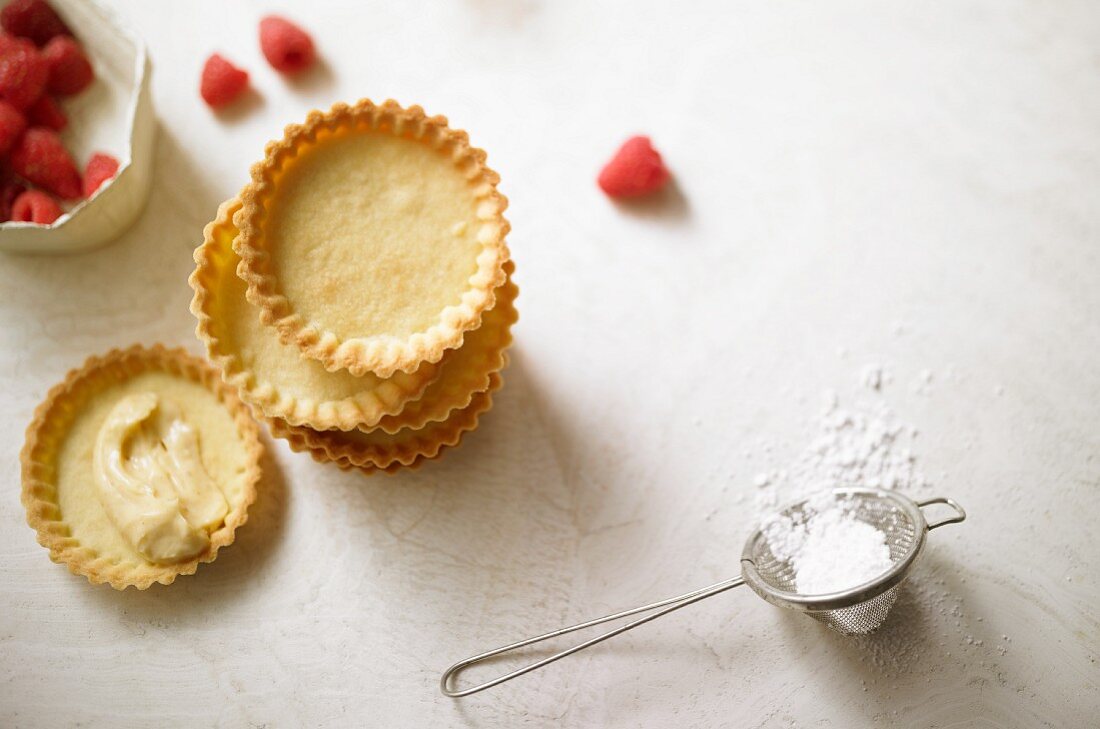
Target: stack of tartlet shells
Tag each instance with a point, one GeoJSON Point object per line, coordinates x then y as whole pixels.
{"type": "Point", "coordinates": [365, 400]}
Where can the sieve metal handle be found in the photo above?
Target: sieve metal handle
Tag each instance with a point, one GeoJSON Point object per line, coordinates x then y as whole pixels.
{"type": "Point", "coordinates": [960, 513]}
{"type": "Point", "coordinates": [669, 605]}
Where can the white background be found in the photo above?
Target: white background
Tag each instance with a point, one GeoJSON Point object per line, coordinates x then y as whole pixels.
{"type": "Point", "coordinates": [909, 184]}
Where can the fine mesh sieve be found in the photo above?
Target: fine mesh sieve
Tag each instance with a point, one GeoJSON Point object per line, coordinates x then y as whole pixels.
{"type": "Point", "coordinates": [859, 609]}
{"type": "Point", "coordinates": [864, 607]}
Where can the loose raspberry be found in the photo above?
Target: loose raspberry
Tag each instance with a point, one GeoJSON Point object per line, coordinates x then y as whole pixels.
{"type": "Point", "coordinates": [46, 113]}
{"type": "Point", "coordinates": [101, 167]}
{"type": "Point", "coordinates": [33, 19]}
{"type": "Point", "coordinates": [35, 206]}
{"type": "Point", "coordinates": [70, 70]}
{"type": "Point", "coordinates": [287, 47]}
{"type": "Point", "coordinates": [636, 169]}
{"type": "Point", "coordinates": [222, 82]}
{"type": "Point", "coordinates": [7, 42]}
{"type": "Point", "coordinates": [12, 125]}
{"type": "Point", "coordinates": [9, 190]}
{"type": "Point", "coordinates": [40, 158]}
{"type": "Point", "coordinates": [23, 74]}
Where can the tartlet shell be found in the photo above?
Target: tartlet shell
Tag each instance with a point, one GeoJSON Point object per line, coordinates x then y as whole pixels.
{"type": "Point", "coordinates": [405, 449]}
{"type": "Point", "coordinates": [379, 355]}
{"type": "Point", "coordinates": [475, 377]}
{"type": "Point", "coordinates": [39, 449]}
{"type": "Point", "coordinates": [365, 410]}
{"type": "Point", "coordinates": [389, 470]}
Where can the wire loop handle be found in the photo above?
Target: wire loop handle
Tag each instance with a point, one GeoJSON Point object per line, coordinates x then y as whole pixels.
{"type": "Point", "coordinates": [960, 513]}
{"type": "Point", "coordinates": [672, 603]}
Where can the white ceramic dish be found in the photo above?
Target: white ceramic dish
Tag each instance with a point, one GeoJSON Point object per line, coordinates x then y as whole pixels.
{"type": "Point", "coordinates": [113, 115]}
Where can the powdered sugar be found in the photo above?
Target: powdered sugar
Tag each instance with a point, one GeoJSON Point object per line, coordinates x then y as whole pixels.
{"type": "Point", "coordinates": [873, 376]}
{"type": "Point", "coordinates": [862, 446]}
{"type": "Point", "coordinates": [828, 546]}
{"type": "Point", "coordinates": [866, 445]}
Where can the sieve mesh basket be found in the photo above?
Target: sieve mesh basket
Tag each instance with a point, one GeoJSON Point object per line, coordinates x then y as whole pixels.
{"type": "Point", "coordinates": [862, 608]}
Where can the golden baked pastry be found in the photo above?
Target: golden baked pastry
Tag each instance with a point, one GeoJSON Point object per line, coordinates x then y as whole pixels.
{"type": "Point", "coordinates": [378, 450]}
{"type": "Point", "coordinates": [273, 376]}
{"type": "Point", "coordinates": [139, 466]}
{"type": "Point", "coordinates": [465, 371]}
{"type": "Point", "coordinates": [372, 237]}
{"type": "Point", "coordinates": [391, 469]}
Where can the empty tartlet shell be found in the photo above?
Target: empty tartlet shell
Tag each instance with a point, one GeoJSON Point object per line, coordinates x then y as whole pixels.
{"type": "Point", "coordinates": [39, 495]}
{"type": "Point", "coordinates": [376, 354]}
{"type": "Point", "coordinates": [455, 388]}
{"type": "Point", "coordinates": [406, 448]}
{"type": "Point", "coordinates": [365, 410]}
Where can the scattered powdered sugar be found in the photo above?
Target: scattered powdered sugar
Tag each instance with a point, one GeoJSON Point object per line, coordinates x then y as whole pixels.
{"type": "Point", "coordinates": [873, 376]}
{"type": "Point", "coordinates": [864, 446]}
{"type": "Point", "coordinates": [923, 384]}
{"type": "Point", "coordinates": [859, 448]}
{"type": "Point", "coordinates": [828, 546]}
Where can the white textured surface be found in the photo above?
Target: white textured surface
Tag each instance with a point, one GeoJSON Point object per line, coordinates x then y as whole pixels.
{"type": "Point", "coordinates": [915, 184]}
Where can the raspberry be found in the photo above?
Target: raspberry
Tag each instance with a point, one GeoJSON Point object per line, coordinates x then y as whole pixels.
{"type": "Point", "coordinates": [222, 82]}
{"type": "Point", "coordinates": [7, 42]}
{"type": "Point", "coordinates": [101, 167]}
{"type": "Point", "coordinates": [636, 169]}
{"type": "Point", "coordinates": [35, 206]}
{"type": "Point", "coordinates": [287, 47]}
{"type": "Point", "coordinates": [69, 69]}
{"type": "Point", "coordinates": [9, 190]}
{"type": "Point", "coordinates": [41, 159]}
{"type": "Point", "coordinates": [12, 124]}
{"type": "Point", "coordinates": [23, 74]}
{"type": "Point", "coordinates": [46, 113]}
{"type": "Point", "coordinates": [33, 19]}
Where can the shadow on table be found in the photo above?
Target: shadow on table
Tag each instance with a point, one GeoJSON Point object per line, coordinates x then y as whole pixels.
{"type": "Point", "coordinates": [489, 529]}
{"type": "Point", "coordinates": [669, 204]}
{"type": "Point", "coordinates": [481, 503]}
{"type": "Point", "coordinates": [242, 108]}
{"type": "Point", "coordinates": [319, 78]}
{"type": "Point", "coordinates": [908, 640]}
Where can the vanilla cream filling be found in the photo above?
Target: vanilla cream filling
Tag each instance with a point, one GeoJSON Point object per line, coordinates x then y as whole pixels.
{"type": "Point", "coordinates": [151, 481]}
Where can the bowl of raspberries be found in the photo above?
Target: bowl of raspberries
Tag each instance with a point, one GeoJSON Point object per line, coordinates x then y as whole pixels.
{"type": "Point", "coordinates": [76, 126]}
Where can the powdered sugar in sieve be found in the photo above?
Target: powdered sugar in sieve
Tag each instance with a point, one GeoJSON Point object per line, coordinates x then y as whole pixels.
{"type": "Point", "coordinates": [829, 547]}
